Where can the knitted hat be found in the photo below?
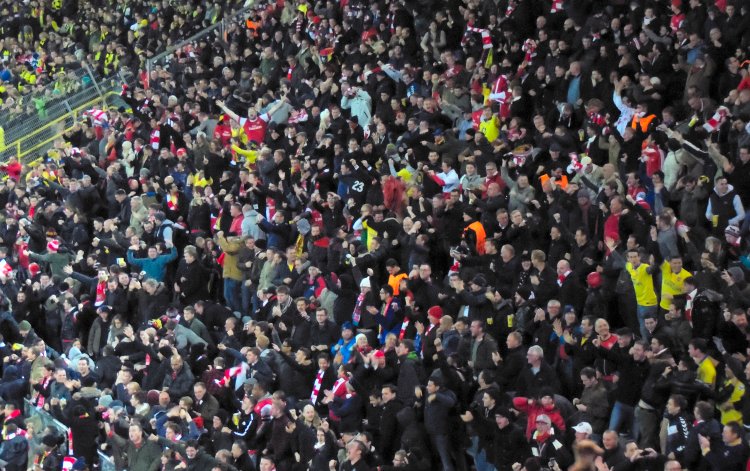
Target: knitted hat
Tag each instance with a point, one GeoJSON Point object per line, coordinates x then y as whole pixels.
{"type": "Point", "coordinates": [524, 293]}
{"type": "Point", "coordinates": [479, 280]}
{"type": "Point", "coordinates": [34, 269]}
{"type": "Point", "coordinates": [435, 311]}
{"type": "Point", "coordinates": [594, 279]}
{"type": "Point", "coordinates": [504, 412]}
{"type": "Point", "coordinates": [53, 245]}
{"type": "Point", "coordinates": [49, 440]}
{"type": "Point", "coordinates": [737, 274]}
{"type": "Point", "coordinates": [24, 326]}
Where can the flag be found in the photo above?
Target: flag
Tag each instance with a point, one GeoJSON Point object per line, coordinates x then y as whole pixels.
{"type": "Point", "coordinates": [717, 119]}
{"type": "Point", "coordinates": [229, 373]}
{"type": "Point", "coordinates": [326, 54]}
{"type": "Point", "coordinates": [575, 163]}
{"type": "Point", "coordinates": [529, 47]}
{"type": "Point", "coordinates": [68, 463]}
{"type": "Point", "coordinates": [5, 268]}
{"type": "Point", "coordinates": [488, 59]}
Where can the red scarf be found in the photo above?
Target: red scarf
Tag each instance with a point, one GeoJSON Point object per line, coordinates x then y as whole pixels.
{"type": "Point", "coordinates": [40, 398]}
{"type": "Point", "coordinates": [404, 326]}
{"type": "Point", "coordinates": [101, 293]}
{"type": "Point", "coordinates": [316, 386]}
{"type": "Point", "coordinates": [357, 314]}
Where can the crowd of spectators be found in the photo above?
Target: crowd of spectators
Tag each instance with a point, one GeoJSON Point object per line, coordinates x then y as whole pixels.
{"type": "Point", "coordinates": [400, 234]}
{"type": "Point", "coordinates": [44, 44]}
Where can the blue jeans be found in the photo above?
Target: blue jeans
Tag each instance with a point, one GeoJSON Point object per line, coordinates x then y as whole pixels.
{"type": "Point", "coordinates": [623, 415]}
{"type": "Point", "coordinates": [232, 293]}
{"type": "Point", "coordinates": [642, 311]}
{"type": "Point", "coordinates": [480, 456]}
{"type": "Point", "coordinates": [247, 293]}
{"type": "Point", "coordinates": [442, 444]}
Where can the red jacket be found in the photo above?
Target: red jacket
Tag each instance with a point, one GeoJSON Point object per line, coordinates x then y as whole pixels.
{"type": "Point", "coordinates": [533, 410]}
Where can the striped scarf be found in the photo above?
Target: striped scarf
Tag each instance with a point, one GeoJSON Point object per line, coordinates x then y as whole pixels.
{"type": "Point", "coordinates": [357, 314]}
{"type": "Point", "coordinates": [485, 33]}
{"type": "Point", "coordinates": [316, 386]}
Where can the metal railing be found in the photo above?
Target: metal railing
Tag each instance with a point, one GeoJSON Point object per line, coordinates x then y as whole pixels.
{"type": "Point", "coordinates": [34, 143]}
{"type": "Point", "coordinates": [49, 114]}
{"type": "Point", "coordinates": [49, 103]}
{"type": "Point", "coordinates": [218, 29]}
{"type": "Point", "coordinates": [106, 463]}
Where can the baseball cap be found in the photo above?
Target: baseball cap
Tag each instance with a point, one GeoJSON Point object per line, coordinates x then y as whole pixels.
{"type": "Point", "coordinates": [544, 418]}
{"type": "Point", "coordinates": [584, 427]}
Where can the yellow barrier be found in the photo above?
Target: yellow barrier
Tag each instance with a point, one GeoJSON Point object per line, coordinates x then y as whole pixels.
{"type": "Point", "coordinates": [18, 145]}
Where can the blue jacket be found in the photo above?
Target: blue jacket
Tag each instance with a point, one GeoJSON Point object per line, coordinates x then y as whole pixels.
{"type": "Point", "coordinates": [154, 267]}
{"type": "Point", "coordinates": [277, 235]}
{"type": "Point", "coordinates": [437, 414]}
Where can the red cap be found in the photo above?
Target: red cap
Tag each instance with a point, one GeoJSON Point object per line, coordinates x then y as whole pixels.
{"type": "Point", "coordinates": [181, 151]}
{"type": "Point", "coordinates": [379, 354]}
{"type": "Point", "coordinates": [594, 279]}
{"type": "Point", "coordinates": [435, 311]}
{"type": "Point", "coordinates": [34, 268]}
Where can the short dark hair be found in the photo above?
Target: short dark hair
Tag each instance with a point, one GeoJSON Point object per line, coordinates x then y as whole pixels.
{"type": "Point", "coordinates": [705, 410]}
{"type": "Point", "coordinates": [699, 344]}
{"type": "Point", "coordinates": [588, 372]}
{"type": "Point", "coordinates": [408, 343]}
{"type": "Point", "coordinates": [735, 428]}
{"type": "Point", "coordinates": [679, 400]}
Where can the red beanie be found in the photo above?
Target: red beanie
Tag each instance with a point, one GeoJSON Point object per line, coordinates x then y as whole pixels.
{"type": "Point", "coordinates": [594, 279]}
{"type": "Point", "coordinates": [435, 311]}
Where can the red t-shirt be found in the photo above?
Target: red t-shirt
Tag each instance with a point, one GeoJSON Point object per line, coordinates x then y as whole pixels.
{"type": "Point", "coordinates": [255, 129]}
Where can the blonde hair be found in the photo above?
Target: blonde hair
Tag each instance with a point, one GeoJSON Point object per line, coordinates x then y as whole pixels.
{"type": "Point", "coordinates": [262, 341]}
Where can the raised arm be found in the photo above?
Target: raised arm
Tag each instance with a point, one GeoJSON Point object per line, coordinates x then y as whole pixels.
{"type": "Point", "coordinates": [227, 111]}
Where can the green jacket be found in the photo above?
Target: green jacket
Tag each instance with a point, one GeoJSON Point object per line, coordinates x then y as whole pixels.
{"type": "Point", "coordinates": [145, 458]}
{"type": "Point", "coordinates": [56, 260]}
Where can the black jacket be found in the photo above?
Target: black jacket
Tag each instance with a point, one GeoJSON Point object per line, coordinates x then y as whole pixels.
{"type": "Point", "coordinates": [509, 446]}
{"type": "Point", "coordinates": [529, 384]}
{"type": "Point", "coordinates": [389, 432]}
{"type": "Point", "coordinates": [693, 458]}
{"type": "Point", "coordinates": [634, 372]}
{"type": "Point", "coordinates": [509, 370]}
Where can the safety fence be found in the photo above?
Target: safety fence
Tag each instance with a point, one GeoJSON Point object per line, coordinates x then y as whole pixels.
{"type": "Point", "coordinates": [42, 105]}
{"type": "Point", "coordinates": [43, 419]}
{"type": "Point", "coordinates": [49, 114]}
{"type": "Point", "coordinates": [213, 34]}
{"type": "Point", "coordinates": [34, 142]}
